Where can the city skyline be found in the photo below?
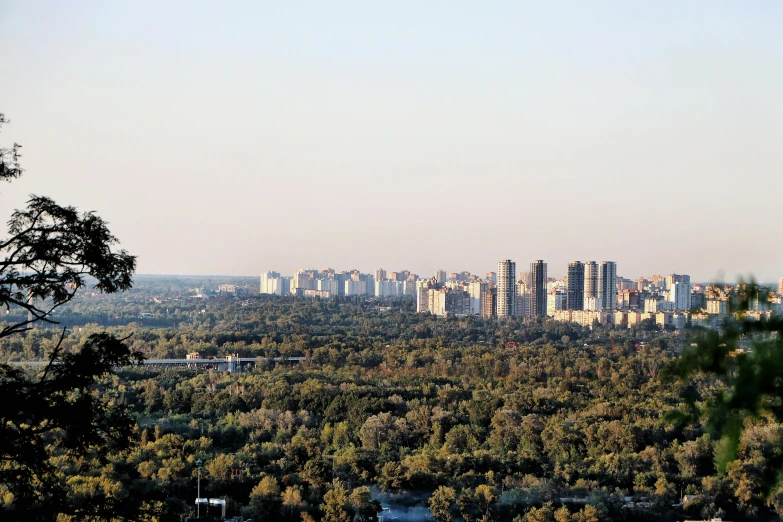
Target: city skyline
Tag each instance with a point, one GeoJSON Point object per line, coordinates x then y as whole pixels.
{"type": "Point", "coordinates": [601, 273]}
{"type": "Point", "coordinates": [668, 301]}
{"type": "Point", "coordinates": [774, 282]}
{"type": "Point", "coordinates": [370, 135]}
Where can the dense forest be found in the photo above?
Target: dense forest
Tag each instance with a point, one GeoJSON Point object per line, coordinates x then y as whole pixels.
{"type": "Point", "coordinates": [457, 418]}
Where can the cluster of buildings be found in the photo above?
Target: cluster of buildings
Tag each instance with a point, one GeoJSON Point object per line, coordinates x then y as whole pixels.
{"type": "Point", "coordinates": [587, 286]}
{"type": "Point", "coordinates": [589, 292]}
{"type": "Point", "coordinates": [330, 283]}
{"type": "Point", "coordinates": [228, 289]}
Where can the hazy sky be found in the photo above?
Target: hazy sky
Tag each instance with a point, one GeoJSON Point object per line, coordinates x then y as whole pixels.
{"type": "Point", "coordinates": [232, 137]}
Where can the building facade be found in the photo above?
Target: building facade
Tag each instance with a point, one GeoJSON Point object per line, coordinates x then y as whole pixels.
{"type": "Point", "coordinates": [680, 295]}
{"type": "Point", "coordinates": [591, 279]}
{"type": "Point", "coordinates": [607, 284]}
{"type": "Point", "coordinates": [489, 302]}
{"type": "Point", "coordinates": [575, 286]}
{"type": "Point", "coordinates": [274, 283]}
{"type": "Point", "coordinates": [538, 296]}
{"type": "Point", "coordinates": [506, 291]}
{"type": "Point", "coordinates": [556, 300]}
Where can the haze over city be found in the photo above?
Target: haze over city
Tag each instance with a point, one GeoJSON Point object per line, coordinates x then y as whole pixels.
{"type": "Point", "coordinates": [236, 138]}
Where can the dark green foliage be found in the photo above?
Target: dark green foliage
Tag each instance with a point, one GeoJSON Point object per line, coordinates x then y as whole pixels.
{"type": "Point", "coordinates": [55, 415]}
{"type": "Point", "coordinates": [559, 420]}
{"type": "Point", "coordinates": [747, 359]}
{"type": "Point", "coordinates": [9, 158]}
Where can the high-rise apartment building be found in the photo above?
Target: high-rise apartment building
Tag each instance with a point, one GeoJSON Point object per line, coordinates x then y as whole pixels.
{"type": "Point", "coordinates": [522, 299]}
{"type": "Point", "coordinates": [718, 306]}
{"type": "Point", "coordinates": [556, 300]}
{"type": "Point", "coordinates": [304, 279]}
{"type": "Point", "coordinates": [538, 298]}
{"type": "Point", "coordinates": [441, 276]}
{"type": "Point", "coordinates": [354, 287]}
{"type": "Point", "coordinates": [591, 279]}
{"type": "Point", "coordinates": [698, 299]}
{"type": "Point", "coordinates": [422, 293]}
{"type": "Point", "coordinates": [489, 302]}
{"type": "Point", "coordinates": [380, 275]}
{"type": "Point", "coordinates": [456, 302]}
{"type": "Point", "coordinates": [575, 286]}
{"type": "Point", "coordinates": [492, 277]}
{"type": "Point", "coordinates": [507, 270]}
{"type": "Point", "coordinates": [389, 288]}
{"type": "Point", "coordinates": [438, 299]}
{"type": "Point", "coordinates": [676, 278]}
{"type": "Point", "coordinates": [628, 299]}
{"type": "Point", "coordinates": [607, 284]}
{"type": "Point", "coordinates": [780, 286]}
{"type": "Point", "coordinates": [658, 281]}
{"type": "Point", "coordinates": [270, 283]}
{"type": "Point", "coordinates": [680, 295]}
{"type": "Point", "coordinates": [476, 289]}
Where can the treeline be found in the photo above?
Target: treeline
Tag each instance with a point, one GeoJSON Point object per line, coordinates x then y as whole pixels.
{"type": "Point", "coordinates": [275, 326]}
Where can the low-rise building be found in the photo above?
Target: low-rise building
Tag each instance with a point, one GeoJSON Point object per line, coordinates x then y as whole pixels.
{"type": "Point", "coordinates": [584, 317]}
{"type": "Point", "coordinates": [664, 319]}
{"type": "Point", "coordinates": [634, 318]}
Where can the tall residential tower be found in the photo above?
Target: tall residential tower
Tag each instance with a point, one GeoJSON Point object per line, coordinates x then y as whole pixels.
{"type": "Point", "coordinates": [607, 284]}
{"type": "Point", "coordinates": [591, 279]}
{"type": "Point", "coordinates": [538, 289]}
{"type": "Point", "coordinates": [575, 285]}
{"type": "Point", "coordinates": [506, 287]}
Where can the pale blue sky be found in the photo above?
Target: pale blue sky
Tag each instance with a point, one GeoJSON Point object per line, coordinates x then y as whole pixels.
{"type": "Point", "coordinates": [233, 137]}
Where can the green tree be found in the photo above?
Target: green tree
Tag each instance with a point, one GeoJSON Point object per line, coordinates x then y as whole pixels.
{"type": "Point", "coordinates": [265, 498]}
{"type": "Point", "coordinates": [485, 500]}
{"type": "Point", "coordinates": [49, 255]}
{"type": "Point", "coordinates": [335, 505]}
{"type": "Point", "coordinates": [477, 504]}
{"type": "Point", "coordinates": [219, 468]}
{"type": "Point", "coordinates": [365, 507]}
{"type": "Point", "coordinates": [753, 383]}
{"type": "Point", "coordinates": [442, 503]}
{"type": "Point", "coordinates": [563, 515]}
{"type": "Point", "coordinates": [292, 500]}
{"type": "Point", "coordinates": [542, 514]}
{"type": "Point", "coordinates": [588, 514]}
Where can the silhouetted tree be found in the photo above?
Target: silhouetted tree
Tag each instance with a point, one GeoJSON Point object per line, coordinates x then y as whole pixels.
{"type": "Point", "coordinates": [50, 254]}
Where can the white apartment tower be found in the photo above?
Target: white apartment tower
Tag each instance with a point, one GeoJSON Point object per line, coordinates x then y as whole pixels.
{"type": "Point", "coordinates": [476, 289]}
{"type": "Point", "coordinates": [607, 284]}
{"type": "Point", "coordinates": [507, 270]}
{"type": "Point", "coordinates": [680, 295]}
